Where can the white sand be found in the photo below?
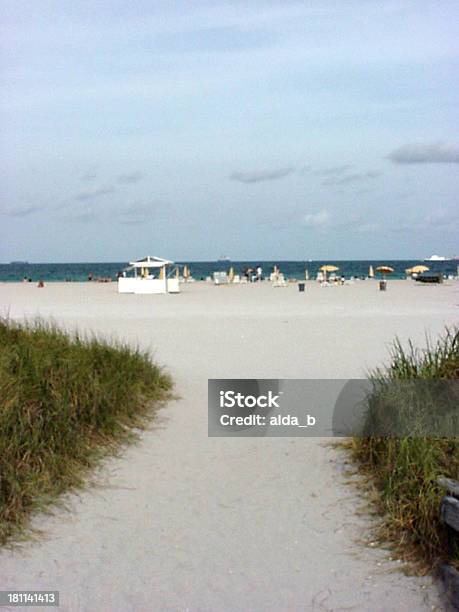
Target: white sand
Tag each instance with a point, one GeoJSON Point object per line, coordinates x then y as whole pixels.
{"type": "Point", "coordinates": [185, 522]}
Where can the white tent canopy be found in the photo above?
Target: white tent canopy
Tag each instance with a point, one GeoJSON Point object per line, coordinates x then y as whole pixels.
{"type": "Point", "coordinates": [150, 262]}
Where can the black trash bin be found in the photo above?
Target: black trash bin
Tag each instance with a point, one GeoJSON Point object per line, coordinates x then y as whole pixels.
{"type": "Point", "coordinates": [382, 285]}
{"type": "Point", "coordinates": [301, 287]}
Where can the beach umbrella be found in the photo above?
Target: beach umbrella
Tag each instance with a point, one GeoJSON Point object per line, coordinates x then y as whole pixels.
{"type": "Point", "coordinates": [177, 272]}
{"type": "Point", "coordinates": [371, 272]}
{"type": "Point", "coordinates": [186, 272]}
{"type": "Point", "coordinates": [384, 270]}
{"type": "Point", "coordinates": [418, 269]}
{"type": "Point", "coordinates": [328, 268]}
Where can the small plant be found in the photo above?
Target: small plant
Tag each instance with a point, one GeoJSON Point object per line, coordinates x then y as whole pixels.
{"type": "Point", "coordinates": [405, 469]}
{"type": "Point", "coordinates": [65, 402]}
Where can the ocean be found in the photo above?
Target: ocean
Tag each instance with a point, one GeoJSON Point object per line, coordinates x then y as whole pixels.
{"type": "Point", "coordinates": [78, 272]}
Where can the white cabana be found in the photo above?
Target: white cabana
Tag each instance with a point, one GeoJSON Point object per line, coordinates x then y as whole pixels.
{"type": "Point", "coordinates": [147, 275]}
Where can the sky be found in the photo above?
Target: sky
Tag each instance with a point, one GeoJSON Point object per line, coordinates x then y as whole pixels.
{"type": "Point", "coordinates": [322, 129]}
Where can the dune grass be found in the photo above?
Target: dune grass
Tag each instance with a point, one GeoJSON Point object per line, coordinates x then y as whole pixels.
{"type": "Point", "coordinates": [65, 402]}
{"type": "Point", "coordinates": [405, 469]}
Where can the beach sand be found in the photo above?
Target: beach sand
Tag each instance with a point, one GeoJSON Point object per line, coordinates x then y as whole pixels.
{"type": "Point", "coordinates": [186, 522]}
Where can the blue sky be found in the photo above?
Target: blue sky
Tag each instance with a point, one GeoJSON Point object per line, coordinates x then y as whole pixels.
{"type": "Point", "coordinates": [262, 130]}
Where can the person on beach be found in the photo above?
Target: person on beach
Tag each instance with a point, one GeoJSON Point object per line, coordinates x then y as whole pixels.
{"type": "Point", "coordinates": [40, 284]}
{"type": "Point", "coordinates": [259, 273]}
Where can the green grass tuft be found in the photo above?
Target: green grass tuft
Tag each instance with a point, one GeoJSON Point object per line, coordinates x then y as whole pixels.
{"type": "Point", "coordinates": [65, 402]}
{"type": "Point", "coordinates": [405, 469]}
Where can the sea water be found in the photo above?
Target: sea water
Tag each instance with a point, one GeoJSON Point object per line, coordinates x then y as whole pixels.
{"type": "Point", "coordinates": [77, 272]}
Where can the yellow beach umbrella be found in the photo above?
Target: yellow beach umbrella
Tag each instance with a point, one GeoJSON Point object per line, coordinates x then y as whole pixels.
{"type": "Point", "coordinates": [329, 268]}
{"type": "Point", "coordinates": [384, 270]}
{"type": "Point", "coordinates": [420, 268]}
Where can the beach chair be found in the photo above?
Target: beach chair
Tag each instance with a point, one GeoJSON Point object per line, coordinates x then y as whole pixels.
{"type": "Point", "coordinates": [220, 278]}
{"type": "Point", "coordinates": [280, 281]}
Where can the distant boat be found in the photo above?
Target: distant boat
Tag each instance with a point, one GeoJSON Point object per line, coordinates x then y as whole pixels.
{"type": "Point", "coordinates": [17, 263]}
{"type": "Point", "coordinates": [223, 258]}
{"type": "Point", "coordinates": [438, 258]}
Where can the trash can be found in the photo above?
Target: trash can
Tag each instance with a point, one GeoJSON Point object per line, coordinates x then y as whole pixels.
{"type": "Point", "coordinates": [382, 285]}
{"type": "Point", "coordinates": [301, 287]}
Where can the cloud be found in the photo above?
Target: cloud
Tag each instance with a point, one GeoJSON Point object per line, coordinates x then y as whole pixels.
{"type": "Point", "coordinates": [88, 176]}
{"type": "Point", "coordinates": [347, 179]}
{"type": "Point", "coordinates": [23, 211]}
{"type": "Point", "coordinates": [79, 216]}
{"type": "Point", "coordinates": [261, 175]}
{"type": "Point", "coordinates": [84, 217]}
{"type": "Point", "coordinates": [433, 153]}
{"type": "Point", "coordinates": [91, 194]}
{"type": "Point", "coordinates": [318, 219]}
{"type": "Point", "coordinates": [334, 170]}
{"type": "Point", "coordinates": [133, 177]}
{"type": "Point", "coordinates": [442, 219]}
{"type": "Point", "coordinates": [367, 228]}
{"type": "Point", "coordinates": [137, 213]}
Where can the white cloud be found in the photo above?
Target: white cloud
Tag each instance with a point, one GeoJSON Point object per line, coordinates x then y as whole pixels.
{"type": "Point", "coordinates": [318, 219]}
{"type": "Point", "coordinates": [367, 228]}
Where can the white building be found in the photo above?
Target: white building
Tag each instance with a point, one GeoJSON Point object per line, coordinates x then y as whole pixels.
{"type": "Point", "coordinates": [148, 275]}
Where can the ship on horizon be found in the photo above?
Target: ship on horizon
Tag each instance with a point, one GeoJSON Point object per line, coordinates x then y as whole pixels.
{"type": "Point", "coordinates": [438, 258]}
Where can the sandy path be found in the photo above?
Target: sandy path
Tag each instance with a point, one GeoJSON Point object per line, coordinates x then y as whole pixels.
{"type": "Point", "coordinates": [184, 522]}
